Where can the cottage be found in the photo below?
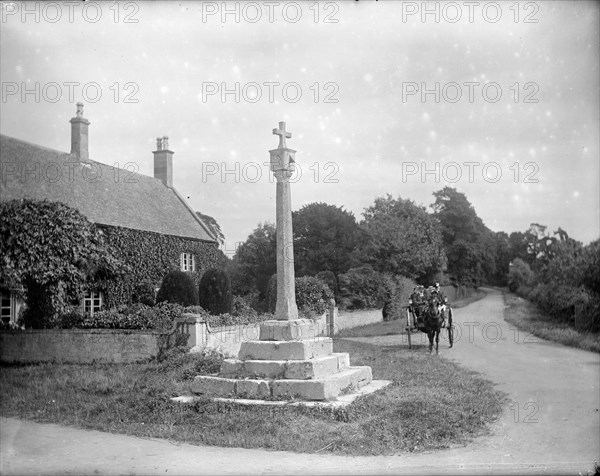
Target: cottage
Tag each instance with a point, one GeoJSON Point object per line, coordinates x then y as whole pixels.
{"type": "Point", "coordinates": [148, 221]}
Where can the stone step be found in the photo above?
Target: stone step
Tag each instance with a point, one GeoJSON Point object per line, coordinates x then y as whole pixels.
{"type": "Point", "coordinates": [297, 329]}
{"type": "Point", "coordinates": [327, 388]}
{"type": "Point", "coordinates": [286, 350]}
{"type": "Point", "coordinates": [287, 369]}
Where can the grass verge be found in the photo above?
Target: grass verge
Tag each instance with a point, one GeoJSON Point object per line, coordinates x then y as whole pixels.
{"type": "Point", "coordinates": [527, 317]}
{"type": "Point", "coordinates": [431, 404]}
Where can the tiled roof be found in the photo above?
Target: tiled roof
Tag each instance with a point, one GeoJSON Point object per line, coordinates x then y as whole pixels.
{"type": "Point", "coordinates": [105, 195]}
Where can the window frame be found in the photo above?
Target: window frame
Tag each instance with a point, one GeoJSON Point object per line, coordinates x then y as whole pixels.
{"type": "Point", "coordinates": [94, 300]}
{"type": "Point", "coordinates": [187, 262]}
{"type": "Point", "coordinates": [12, 306]}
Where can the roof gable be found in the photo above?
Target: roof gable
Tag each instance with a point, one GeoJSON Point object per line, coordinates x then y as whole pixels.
{"type": "Point", "coordinates": [104, 194]}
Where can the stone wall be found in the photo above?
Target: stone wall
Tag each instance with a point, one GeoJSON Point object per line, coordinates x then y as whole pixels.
{"type": "Point", "coordinates": [227, 340]}
{"type": "Point", "coordinates": [83, 345]}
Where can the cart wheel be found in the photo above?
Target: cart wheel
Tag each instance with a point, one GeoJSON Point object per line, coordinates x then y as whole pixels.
{"type": "Point", "coordinates": [450, 329]}
{"type": "Point", "coordinates": [408, 328]}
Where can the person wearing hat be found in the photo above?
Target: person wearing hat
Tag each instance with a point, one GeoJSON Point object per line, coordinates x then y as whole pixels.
{"type": "Point", "coordinates": [443, 301]}
{"type": "Point", "coordinates": [416, 301]}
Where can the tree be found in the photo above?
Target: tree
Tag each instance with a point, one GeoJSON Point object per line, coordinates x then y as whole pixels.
{"type": "Point", "coordinates": [502, 258]}
{"type": "Point", "coordinates": [457, 216]}
{"type": "Point", "coordinates": [214, 227]}
{"type": "Point", "coordinates": [470, 246]}
{"type": "Point", "coordinates": [326, 237]}
{"type": "Point", "coordinates": [519, 274]}
{"type": "Point", "coordinates": [254, 261]}
{"type": "Point", "coordinates": [403, 239]}
{"type": "Point", "coordinates": [51, 251]}
{"type": "Point", "coordinates": [590, 277]}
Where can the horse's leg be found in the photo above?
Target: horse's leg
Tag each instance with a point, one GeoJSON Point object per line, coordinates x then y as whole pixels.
{"type": "Point", "coordinates": [430, 336]}
{"type": "Point", "coordinates": [437, 340]}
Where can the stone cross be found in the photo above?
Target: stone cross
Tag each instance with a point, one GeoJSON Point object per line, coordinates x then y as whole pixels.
{"type": "Point", "coordinates": [281, 132]}
{"type": "Point", "coordinates": [282, 166]}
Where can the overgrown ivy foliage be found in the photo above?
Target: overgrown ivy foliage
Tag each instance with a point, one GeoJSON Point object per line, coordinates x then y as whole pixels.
{"type": "Point", "coordinates": [150, 256]}
{"type": "Point", "coordinates": [49, 252]}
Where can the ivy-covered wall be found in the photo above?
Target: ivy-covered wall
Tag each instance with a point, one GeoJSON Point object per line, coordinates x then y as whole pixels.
{"type": "Point", "coordinates": [149, 257]}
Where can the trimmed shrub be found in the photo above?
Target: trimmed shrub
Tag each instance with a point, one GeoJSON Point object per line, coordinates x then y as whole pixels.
{"type": "Point", "coordinates": [136, 316]}
{"type": "Point", "coordinates": [144, 293]}
{"type": "Point", "coordinates": [312, 295]}
{"type": "Point", "coordinates": [241, 308]}
{"type": "Point", "coordinates": [215, 291]}
{"type": "Point", "coordinates": [178, 288]}
{"type": "Point", "coordinates": [361, 288]}
{"type": "Point", "coordinates": [71, 319]}
{"type": "Point", "coordinates": [328, 277]}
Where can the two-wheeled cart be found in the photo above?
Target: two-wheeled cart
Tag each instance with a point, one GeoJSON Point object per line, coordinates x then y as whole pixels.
{"type": "Point", "coordinates": [414, 324]}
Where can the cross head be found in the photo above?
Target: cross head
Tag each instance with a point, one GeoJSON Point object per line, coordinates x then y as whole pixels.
{"type": "Point", "coordinates": [281, 132]}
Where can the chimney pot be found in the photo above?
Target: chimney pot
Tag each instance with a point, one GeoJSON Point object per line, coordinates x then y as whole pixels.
{"type": "Point", "coordinates": [79, 134]}
{"type": "Point", "coordinates": [163, 161]}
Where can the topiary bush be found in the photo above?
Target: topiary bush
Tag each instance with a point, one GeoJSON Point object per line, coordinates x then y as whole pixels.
{"type": "Point", "coordinates": [178, 288]}
{"type": "Point", "coordinates": [328, 277]}
{"type": "Point", "coordinates": [215, 291]}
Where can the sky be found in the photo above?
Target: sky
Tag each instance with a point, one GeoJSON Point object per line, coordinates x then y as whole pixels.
{"type": "Point", "coordinates": [498, 100]}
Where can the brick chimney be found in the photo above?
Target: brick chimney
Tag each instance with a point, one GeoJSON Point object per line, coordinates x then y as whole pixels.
{"type": "Point", "coordinates": [163, 161]}
{"type": "Point", "coordinates": [79, 134]}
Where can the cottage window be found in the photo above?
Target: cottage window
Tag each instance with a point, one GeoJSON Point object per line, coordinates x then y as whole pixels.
{"type": "Point", "coordinates": [7, 307]}
{"type": "Point", "coordinates": [92, 302]}
{"type": "Point", "coordinates": [188, 262]}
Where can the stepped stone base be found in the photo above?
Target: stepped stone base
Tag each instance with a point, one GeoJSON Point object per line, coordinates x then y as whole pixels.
{"type": "Point", "coordinates": [327, 388]}
{"type": "Point", "coordinates": [298, 329]}
{"type": "Point", "coordinates": [288, 361]}
{"type": "Point", "coordinates": [291, 369]}
{"type": "Point", "coordinates": [286, 350]}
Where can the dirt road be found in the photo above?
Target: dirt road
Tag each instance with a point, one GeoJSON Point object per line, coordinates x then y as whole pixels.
{"type": "Point", "coordinates": [550, 425]}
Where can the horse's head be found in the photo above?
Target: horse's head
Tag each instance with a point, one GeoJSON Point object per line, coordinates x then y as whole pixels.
{"type": "Point", "coordinates": [433, 307]}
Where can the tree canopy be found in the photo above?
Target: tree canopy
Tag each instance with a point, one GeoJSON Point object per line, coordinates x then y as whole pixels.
{"type": "Point", "coordinates": [214, 227]}
{"type": "Point", "coordinates": [470, 246]}
{"type": "Point", "coordinates": [255, 261]}
{"type": "Point", "coordinates": [326, 237]}
{"type": "Point", "coordinates": [403, 239]}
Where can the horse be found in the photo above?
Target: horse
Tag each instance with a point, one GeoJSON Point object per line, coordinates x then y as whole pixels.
{"type": "Point", "coordinates": [433, 319]}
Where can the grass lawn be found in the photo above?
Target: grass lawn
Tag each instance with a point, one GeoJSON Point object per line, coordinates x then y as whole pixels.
{"type": "Point", "coordinates": [529, 318]}
{"type": "Point", "coordinates": [431, 404]}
